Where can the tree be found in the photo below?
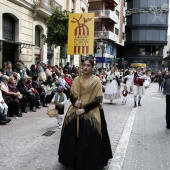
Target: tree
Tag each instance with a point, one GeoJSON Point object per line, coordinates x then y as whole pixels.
{"type": "Point", "coordinates": [57, 30]}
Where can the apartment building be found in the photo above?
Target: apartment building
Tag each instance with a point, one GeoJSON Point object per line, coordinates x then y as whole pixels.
{"type": "Point", "coordinates": [146, 32]}
{"type": "Point", "coordinates": [109, 30]}
{"type": "Point", "coordinates": [22, 24]}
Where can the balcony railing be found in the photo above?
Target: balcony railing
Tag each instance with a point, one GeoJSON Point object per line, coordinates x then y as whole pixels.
{"type": "Point", "coordinates": [106, 14]}
{"type": "Point", "coordinates": [106, 35]}
{"type": "Point", "coordinates": [117, 1]}
{"type": "Point", "coordinates": [46, 7]}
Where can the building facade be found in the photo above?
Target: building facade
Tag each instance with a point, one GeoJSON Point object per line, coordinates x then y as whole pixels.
{"type": "Point", "coordinates": [109, 30]}
{"type": "Point", "coordinates": [22, 24]}
{"type": "Point", "coordinates": [166, 55]}
{"type": "Point", "coordinates": [146, 32]}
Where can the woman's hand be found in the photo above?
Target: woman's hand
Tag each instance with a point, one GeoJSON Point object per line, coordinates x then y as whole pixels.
{"type": "Point", "coordinates": [80, 112]}
{"type": "Point", "coordinates": [78, 104]}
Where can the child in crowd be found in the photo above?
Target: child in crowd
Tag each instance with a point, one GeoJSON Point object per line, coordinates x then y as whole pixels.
{"type": "Point", "coordinates": [124, 95]}
{"type": "Point", "coordinates": [60, 100]}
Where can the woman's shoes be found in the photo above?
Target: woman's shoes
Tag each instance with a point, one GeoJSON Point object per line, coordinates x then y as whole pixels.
{"type": "Point", "coordinates": [33, 109]}
{"type": "Point", "coordinates": [18, 114]}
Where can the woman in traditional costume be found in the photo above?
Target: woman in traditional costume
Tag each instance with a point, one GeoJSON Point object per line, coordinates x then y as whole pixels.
{"type": "Point", "coordinates": [91, 150]}
{"type": "Point", "coordinates": [112, 89]}
{"type": "Point", "coordinates": [129, 81]}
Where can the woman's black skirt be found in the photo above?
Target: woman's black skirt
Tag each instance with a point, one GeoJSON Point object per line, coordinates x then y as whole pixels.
{"type": "Point", "coordinates": [91, 151]}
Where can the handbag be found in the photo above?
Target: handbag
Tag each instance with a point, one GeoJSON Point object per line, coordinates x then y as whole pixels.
{"type": "Point", "coordinates": [52, 111]}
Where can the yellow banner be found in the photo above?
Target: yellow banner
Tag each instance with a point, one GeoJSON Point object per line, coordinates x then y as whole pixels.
{"type": "Point", "coordinates": [81, 33]}
{"type": "Point", "coordinates": [138, 64]}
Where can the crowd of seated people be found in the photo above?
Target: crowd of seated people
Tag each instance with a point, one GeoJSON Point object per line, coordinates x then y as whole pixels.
{"type": "Point", "coordinates": [25, 90]}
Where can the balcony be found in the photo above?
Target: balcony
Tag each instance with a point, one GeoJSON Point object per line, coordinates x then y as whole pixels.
{"type": "Point", "coordinates": [45, 8]}
{"type": "Point", "coordinates": [106, 14]}
{"type": "Point", "coordinates": [106, 35]}
{"type": "Point", "coordinates": [117, 1]}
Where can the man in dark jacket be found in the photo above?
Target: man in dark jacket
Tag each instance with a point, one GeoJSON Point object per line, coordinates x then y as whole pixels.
{"type": "Point", "coordinates": [167, 93]}
{"type": "Point", "coordinates": [24, 90]}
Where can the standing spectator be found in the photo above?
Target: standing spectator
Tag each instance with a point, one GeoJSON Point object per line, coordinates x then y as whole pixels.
{"type": "Point", "coordinates": [167, 93]}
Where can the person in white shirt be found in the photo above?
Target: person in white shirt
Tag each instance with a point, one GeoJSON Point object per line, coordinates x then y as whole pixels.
{"type": "Point", "coordinates": [60, 100]}
{"type": "Point", "coordinates": [129, 81]}
{"type": "Point", "coordinates": [3, 106]}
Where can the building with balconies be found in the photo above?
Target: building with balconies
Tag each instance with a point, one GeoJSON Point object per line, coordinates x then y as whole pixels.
{"type": "Point", "coordinates": [146, 32]}
{"type": "Point", "coordinates": [22, 24]}
{"type": "Point", "coordinates": [109, 30]}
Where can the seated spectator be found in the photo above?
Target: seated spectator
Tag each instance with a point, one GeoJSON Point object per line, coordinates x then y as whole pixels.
{"type": "Point", "coordinates": [10, 98]}
{"type": "Point", "coordinates": [26, 91]}
{"type": "Point", "coordinates": [13, 88]}
{"type": "Point", "coordinates": [54, 77]}
{"type": "Point", "coordinates": [33, 71]}
{"type": "Point", "coordinates": [3, 106]}
{"type": "Point", "coordinates": [47, 71]}
{"type": "Point", "coordinates": [67, 79]}
{"type": "Point", "coordinates": [19, 70]}
{"type": "Point", "coordinates": [37, 95]}
{"type": "Point", "coordinates": [64, 84]}
{"type": "Point", "coordinates": [36, 85]}
{"type": "Point", "coordinates": [9, 71]}
{"type": "Point", "coordinates": [4, 119]}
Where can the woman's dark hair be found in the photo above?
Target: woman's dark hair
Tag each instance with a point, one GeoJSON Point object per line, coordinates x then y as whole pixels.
{"type": "Point", "coordinates": [32, 66]}
{"type": "Point", "coordinates": [91, 61]}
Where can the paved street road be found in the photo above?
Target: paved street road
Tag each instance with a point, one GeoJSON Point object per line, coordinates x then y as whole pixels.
{"type": "Point", "coordinates": [22, 146]}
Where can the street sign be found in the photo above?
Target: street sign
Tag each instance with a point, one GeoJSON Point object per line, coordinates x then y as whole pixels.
{"type": "Point", "coordinates": [81, 33]}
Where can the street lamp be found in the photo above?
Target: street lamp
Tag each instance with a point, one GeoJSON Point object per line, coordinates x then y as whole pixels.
{"type": "Point", "coordinates": [102, 45]}
{"type": "Point", "coordinates": [168, 53]}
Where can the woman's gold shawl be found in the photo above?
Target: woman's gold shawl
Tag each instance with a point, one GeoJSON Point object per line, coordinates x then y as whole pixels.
{"type": "Point", "coordinates": [90, 90]}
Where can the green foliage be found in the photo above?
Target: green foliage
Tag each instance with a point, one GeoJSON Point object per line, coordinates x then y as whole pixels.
{"type": "Point", "coordinates": [57, 29]}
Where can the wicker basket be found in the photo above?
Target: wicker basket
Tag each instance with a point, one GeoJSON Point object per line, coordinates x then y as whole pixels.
{"type": "Point", "coordinates": [52, 111]}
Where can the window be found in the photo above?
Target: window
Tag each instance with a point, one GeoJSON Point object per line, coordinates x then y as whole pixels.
{"type": "Point", "coordinates": [116, 31]}
{"type": "Point", "coordinates": [37, 36]}
{"type": "Point", "coordinates": [117, 13]}
{"type": "Point", "coordinates": [149, 50]}
{"type": "Point", "coordinates": [123, 36]}
{"type": "Point", "coordinates": [8, 27]}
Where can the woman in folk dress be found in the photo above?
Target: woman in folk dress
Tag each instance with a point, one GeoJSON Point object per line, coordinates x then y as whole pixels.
{"type": "Point", "coordinates": [112, 89]}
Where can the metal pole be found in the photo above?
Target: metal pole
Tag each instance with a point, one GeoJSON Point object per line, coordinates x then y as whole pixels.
{"type": "Point", "coordinates": [114, 61]}
{"type": "Point", "coordinates": [102, 56]}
